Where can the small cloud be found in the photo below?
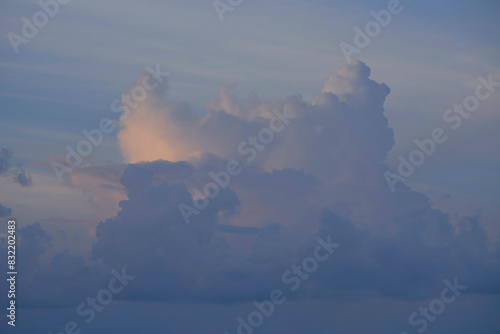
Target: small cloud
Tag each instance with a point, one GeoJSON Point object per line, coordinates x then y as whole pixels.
{"type": "Point", "coordinates": [5, 156]}
{"type": "Point", "coordinates": [19, 174]}
{"type": "Point", "coordinates": [22, 177]}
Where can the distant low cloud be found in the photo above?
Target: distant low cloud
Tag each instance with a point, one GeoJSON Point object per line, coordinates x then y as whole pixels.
{"type": "Point", "coordinates": [5, 156]}
{"type": "Point", "coordinates": [22, 177]}
{"type": "Point", "coordinates": [18, 173]}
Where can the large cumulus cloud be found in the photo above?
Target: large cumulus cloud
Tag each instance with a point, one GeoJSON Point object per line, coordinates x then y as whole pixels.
{"type": "Point", "coordinates": [322, 175]}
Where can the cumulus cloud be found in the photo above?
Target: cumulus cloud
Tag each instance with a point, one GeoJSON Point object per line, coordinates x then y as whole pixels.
{"type": "Point", "coordinates": [322, 175]}
{"type": "Point", "coordinates": [205, 261]}
{"type": "Point", "coordinates": [159, 128]}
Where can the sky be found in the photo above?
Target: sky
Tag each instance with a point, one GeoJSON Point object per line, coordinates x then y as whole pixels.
{"type": "Point", "coordinates": [279, 166]}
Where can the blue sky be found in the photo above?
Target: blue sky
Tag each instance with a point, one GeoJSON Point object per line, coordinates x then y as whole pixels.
{"type": "Point", "coordinates": [353, 123]}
